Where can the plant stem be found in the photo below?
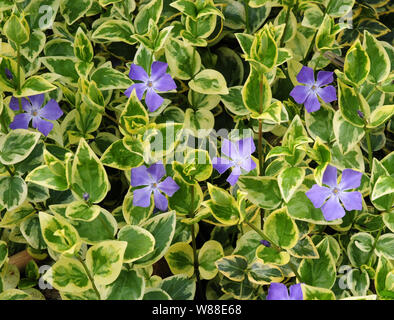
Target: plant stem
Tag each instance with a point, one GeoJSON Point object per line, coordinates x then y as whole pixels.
{"type": "Point", "coordinates": [260, 143]}
{"type": "Point", "coordinates": [90, 277]}
{"type": "Point", "coordinates": [194, 245]}
{"type": "Point", "coordinates": [18, 52]}
{"type": "Point", "coordinates": [246, 7]}
{"type": "Point", "coordinates": [369, 145]}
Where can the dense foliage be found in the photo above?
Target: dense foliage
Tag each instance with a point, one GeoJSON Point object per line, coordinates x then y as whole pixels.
{"type": "Point", "coordinates": [196, 149]}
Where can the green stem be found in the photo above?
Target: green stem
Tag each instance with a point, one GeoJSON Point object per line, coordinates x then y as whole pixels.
{"type": "Point", "coordinates": [373, 247]}
{"type": "Point", "coordinates": [194, 244]}
{"type": "Point", "coordinates": [18, 52]}
{"type": "Point", "coordinates": [246, 7]}
{"type": "Point", "coordinates": [9, 170]}
{"type": "Point", "coordinates": [369, 145]}
{"type": "Point", "coordinates": [90, 277]}
{"type": "Point", "coordinates": [260, 143]}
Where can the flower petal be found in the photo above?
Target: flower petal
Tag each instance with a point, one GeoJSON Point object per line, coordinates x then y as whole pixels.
{"type": "Point", "coordinates": [233, 177]}
{"type": "Point", "coordinates": [140, 177]}
{"type": "Point", "coordinates": [248, 164]}
{"type": "Point", "coordinates": [351, 179]}
{"type": "Point", "coordinates": [157, 171]}
{"type": "Point", "coordinates": [139, 90]}
{"type": "Point", "coordinates": [42, 125]}
{"type": "Point", "coordinates": [14, 104]}
{"type": "Point", "coordinates": [161, 201]}
{"type": "Point", "coordinates": [328, 94]}
{"type": "Point", "coordinates": [330, 176]}
{"type": "Point", "coordinates": [306, 76]}
{"type": "Point", "coordinates": [158, 70]}
{"type": "Point", "coordinates": [37, 100]}
{"type": "Point", "coordinates": [324, 77]}
{"type": "Point", "coordinates": [312, 103]}
{"type": "Point", "coordinates": [300, 93]}
{"type": "Point", "coordinates": [332, 209]}
{"type": "Point", "coordinates": [138, 73]}
{"type": "Point", "coordinates": [153, 100]}
{"type": "Point", "coordinates": [296, 292]}
{"type": "Point", "coordinates": [230, 149]}
{"type": "Point", "coordinates": [277, 291]}
{"type": "Point", "coordinates": [318, 195]}
{"type": "Point", "coordinates": [51, 111]}
{"type": "Point", "coordinates": [165, 83]}
{"type": "Point", "coordinates": [351, 200]}
{"type": "Point", "coordinates": [21, 121]}
{"type": "Point", "coordinates": [246, 146]}
{"type": "Point", "coordinates": [221, 164]}
{"type": "Point", "coordinates": [141, 197]}
{"type": "Point", "coordinates": [168, 186]}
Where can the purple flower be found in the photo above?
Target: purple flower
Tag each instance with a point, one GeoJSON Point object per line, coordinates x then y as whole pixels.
{"type": "Point", "coordinates": [86, 196]}
{"type": "Point", "coordinates": [265, 243]}
{"type": "Point", "coordinates": [159, 80]}
{"type": "Point", "coordinates": [238, 156]}
{"type": "Point", "coordinates": [308, 94]}
{"type": "Point", "coordinates": [35, 112]}
{"type": "Point", "coordinates": [278, 291]}
{"type": "Point", "coordinates": [360, 114]}
{"type": "Point", "coordinates": [335, 192]}
{"type": "Point", "coordinates": [150, 179]}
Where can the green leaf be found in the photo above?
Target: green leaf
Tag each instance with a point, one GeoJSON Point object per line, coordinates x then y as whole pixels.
{"type": "Point", "coordinates": [134, 116]}
{"type": "Point", "coordinates": [262, 274]}
{"type": "Point", "coordinates": [140, 242]}
{"type": "Point", "coordinates": [319, 272]}
{"type": "Point", "coordinates": [13, 192]}
{"type": "Point", "coordinates": [380, 115]}
{"type": "Point", "coordinates": [346, 134]}
{"type": "Point", "coordinates": [247, 245]}
{"type": "Point", "coordinates": [380, 61]}
{"type": "Point", "coordinates": [115, 30]}
{"type": "Point", "coordinates": [256, 93]}
{"type": "Point", "coordinates": [128, 286]}
{"type": "Point", "coordinates": [132, 214]}
{"type": "Point", "coordinates": [31, 231]}
{"type": "Point", "coordinates": [108, 78]}
{"type": "Point", "coordinates": [210, 252]}
{"type": "Point", "coordinates": [198, 165]}
{"type": "Point", "coordinates": [320, 124]}
{"type": "Point", "coordinates": [73, 10]}
{"type": "Point", "coordinates": [388, 218]}
{"type": "Point", "coordinates": [269, 255]}
{"type": "Point", "coordinates": [304, 249]}
{"type": "Point", "coordinates": [223, 206]}
{"type": "Point", "coordinates": [88, 174]}
{"type": "Point", "coordinates": [80, 210]}
{"type": "Point", "coordinates": [151, 10]}
{"type": "Point", "coordinates": [384, 187]}
{"type": "Point", "coordinates": [339, 8]}
{"type": "Point", "coordinates": [360, 248]}
{"type": "Point", "coordinates": [281, 229]}
{"type": "Point", "coordinates": [83, 48]}
{"type": "Point", "coordinates": [289, 180]}
{"type": "Point", "coordinates": [59, 234]}
{"type": "Point", "coordinates": [105, 260]}
{"type": "Point", "coordinates": [234, 267]}
{"type": "Point", "coordinates": [45, 177]}
{"type": "Point", "coordinates": [184, 61]}
{"type": "Point", "coordinates": [32, 49]}
{"type": "Point", "coordinates": [180, 259]}
{"type": "Point", "coordinates": [119, 157]}
{"type": "Point", "coordinates": [357, 64]}
{"type": "Point", "coordinates": [162, 227]}
{"type": "Point", "coordinates": [13, 218]}
{"type": "Point", "coordinates": [200, 122]}
{"type": "Point", "coordinates": [63, 66]}
{"type": "Point", "coordinates": [209, 81]}
{"type": "Point", "coordinates": [242, 290]}
{"type": "Point", "coordinates": [385, 246]}
{"type": "Point", "coordinates": [3, 252]}
{"type": "Point", "coordinates": [17, 30]}
{"type": "Point", "coordinates": [315, 293]}
{"type": "Point", "coordinates": [358, 282]}
{"type": "Point", "coordinates": [68, 274]}
{"type": "Point", "coordinates": [14, 294]}
{"type": "Point", "coordinates": [233, 101]}
{"type": "Point", "coordinates": [17, 146]}
{"type": "Point", "coordinates": [156, 294]}
{"type": "Point", "coordinates": [261, 191]}
{"type": "Point", "coordinates": [384, 279]}
{"type": "Point", "coordinates": [179, 287]}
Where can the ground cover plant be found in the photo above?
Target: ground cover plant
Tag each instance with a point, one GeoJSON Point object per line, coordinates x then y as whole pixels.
{"type": "Point", "coordinates": [196, 149]}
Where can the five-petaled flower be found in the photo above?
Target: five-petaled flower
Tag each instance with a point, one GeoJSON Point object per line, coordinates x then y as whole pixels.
{"type": "Point", "coordinates": [278, 291]}
{"type": "Point", "coordinates": [158, 80]}
{"type": "Point", "coordinates": [238, 156]}
{"type": "Point", "coordinates": [309, 93]}
{"type": "Point", "coordinates": [35, 112]}
{"type": "Point", "coordinates": [335, 192]}
{"type": "Point", "coordinates": [150, 179]}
